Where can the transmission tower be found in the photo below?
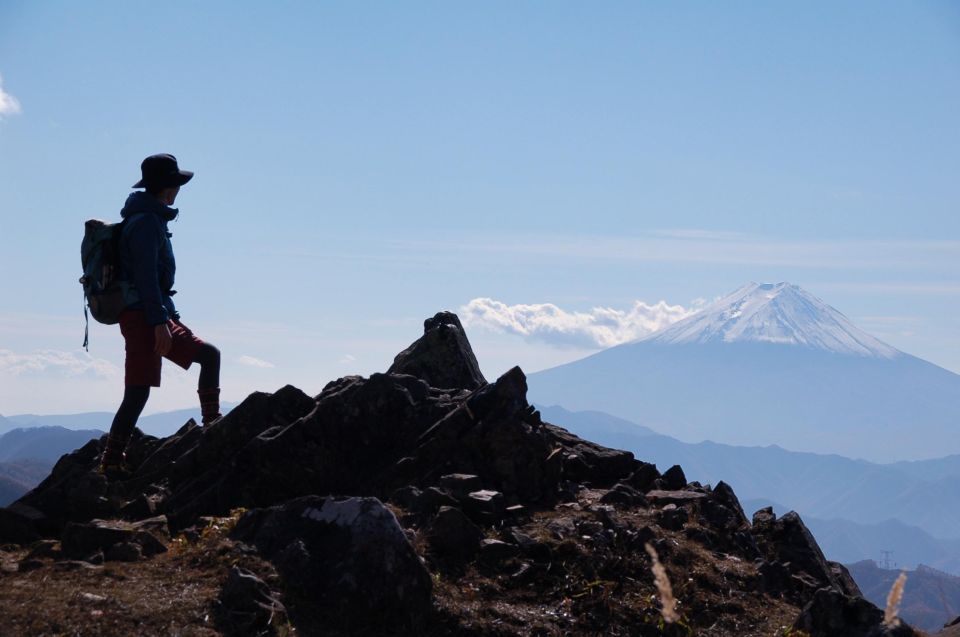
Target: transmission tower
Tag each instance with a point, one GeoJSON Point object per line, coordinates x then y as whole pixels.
{"type": "Point", "coordinates": [885, 563]}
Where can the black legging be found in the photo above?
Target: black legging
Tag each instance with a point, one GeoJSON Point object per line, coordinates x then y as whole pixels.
{"type": "Point", "coordinates": [209, 359]}
{"type": "Point", "coordinates": [135, 396]}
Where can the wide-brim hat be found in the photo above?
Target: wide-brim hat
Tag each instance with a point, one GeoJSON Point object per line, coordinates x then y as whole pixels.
{"type": "Point", "coordinates": [162, 171]}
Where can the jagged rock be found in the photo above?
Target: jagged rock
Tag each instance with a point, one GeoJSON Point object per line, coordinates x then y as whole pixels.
{"type": "Point", "coordinates": [433, 498]}
{"type": "Point", "coordinates": [675, 497]}
{"type": "Point", "coordinates": [442, 356]}
{"type": "Point", "coordinates": [723, 509]}
{"type": "Point", "coordinates": [248, 606]}
{"type": "Point", "coordinates": [484, 505]}
{"type": "Point", "coordinates": [584, 461]}
{"type": "Point", "coordinates": [453, 534]}
{"type": "Point", "coordinates": [644, 476]}
{"type": "Point", "coordinates": [408, 497]}
{"type": "Point", "coordinates": [488, 435]}
{"type": "Point", "coordinates": [73, 491]}
{"type": "Point", "coordinates": [673, 479]}
{"type": "Point", "coordinates": [846, 582]}
{"type": "Point", "coordinates": [495, 551]}
{"type": "Point", "coordinates": [19, 525]}
{"type": "Point", "coordinates": [831, 613]}
{"type": "Point", "coordinates": [622, 494]}
{"type": "Point", "coordinates": [672, 517]}
{"type": "Point", "coordinates": [351, 554]}
{"type": "Point", "coordinates": [763, 520]}
{"type": "Point", "coordinates": [44, 549]}
{"type": "Point", "coordinates": [81, 540]}
{"type": "Point", "coordinates": [788, 541]}
{"type": "Point", "coordinates": [460, 484]}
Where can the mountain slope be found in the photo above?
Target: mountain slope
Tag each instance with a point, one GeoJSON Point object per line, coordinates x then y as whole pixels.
{"type": "Point", "coordinates": [750, 372]}
{"type": "Point", "coordinates": [930, 598]}
{"type": "Point", "coordinates": [159, 424]}
{"type": "Point", "coordinates": [779, 313]}
{"type": "Point", "coordinates": [19, 476]}
{"type": "Point", "coordinates": [43, 443]}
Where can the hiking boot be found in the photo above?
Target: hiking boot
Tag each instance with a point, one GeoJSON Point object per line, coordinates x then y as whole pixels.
{"type": "Point", "coordinates": [113, 463]}
{"type": "Point", "coordinates": [115, 472]}
{"type": "Point", "coordinates": [209, 405]}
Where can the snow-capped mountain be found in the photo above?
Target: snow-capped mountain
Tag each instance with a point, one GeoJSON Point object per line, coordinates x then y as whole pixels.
{"type": "Point", "coordinates": [775, 313]}
{"type": "Point", "coordinates": [769, 364]}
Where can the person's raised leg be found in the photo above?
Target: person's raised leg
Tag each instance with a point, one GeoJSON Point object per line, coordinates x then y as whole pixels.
{"type": "Point", "coordinates": [208, 387]}
{"type": "Point", "coordinates": [134, 399]}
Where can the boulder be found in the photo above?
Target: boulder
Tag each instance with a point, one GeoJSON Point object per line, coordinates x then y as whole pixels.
{"type": "Point", "coordinates": [496, 551]}
{"type": "Point", "coordinates": [442, 357]}
{"type": "Point", "coordinates": [248, 606]}
{"type": "Point", "coordinates": [80, 540]}
{"type": "Point", "coordinates": [672, 517]}
{"type": "Point", "coordinates": [18, 525]}
{"type": "Point", "coordinates": [584, 461]}
{"type": "Point", "coordinates": [673, 479]}
{"type": "Point", "coordinates": [644, 476]}
{"type": "Point", "coordinates": [831, 613]}
{"type": "Point", "coordinates": [460, 484]}
{"type": "Point", "coordinates": [484, 505]}
{"type": "Point", "coordinates": [349, 554]}
{"type": "Point", "coordinates": [452, 533]}
{"type": "Point", "coordinates": [788, 541]}
{"type": "Point", "coordinates": [623, 494]}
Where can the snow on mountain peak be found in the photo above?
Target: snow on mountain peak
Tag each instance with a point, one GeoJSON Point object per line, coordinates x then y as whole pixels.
{"type": "Point", "coordinates": [780, 313]}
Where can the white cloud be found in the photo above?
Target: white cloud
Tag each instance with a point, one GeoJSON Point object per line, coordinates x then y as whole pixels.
{"type": "Point", "coordinates": [348, 358]}
{"type": "Point", "coordinates": [8, 103]}
{"type": "Point", "coordinates": [250, 361]}
{"type": "Point", "coordinates": [601, 327]}
{"type": "Point", "coordinates": [57, 362]}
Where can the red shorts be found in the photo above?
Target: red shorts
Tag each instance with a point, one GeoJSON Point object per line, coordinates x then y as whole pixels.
{"type": "Point", "coordinates": [142, 367]}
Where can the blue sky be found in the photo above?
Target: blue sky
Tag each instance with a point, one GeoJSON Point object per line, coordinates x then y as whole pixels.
{"type": "Point", "coordinates": [362, 165]}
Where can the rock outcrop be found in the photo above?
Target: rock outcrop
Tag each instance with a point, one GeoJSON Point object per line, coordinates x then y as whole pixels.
{"type": "Point", "coordinates": [365, 495]}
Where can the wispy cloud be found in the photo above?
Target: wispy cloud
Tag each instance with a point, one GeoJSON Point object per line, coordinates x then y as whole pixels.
{"type": "Point", "coordinates": [55, 362]}
{"type": "Point", "coordinates": [601, 327]}
{"type": "Point", "coordinates": [9, 105]}
{"type": "Point", "coordinates": [698, 247]}
{"type": "Point", "coordinates": [251, 361]}
{"type": "Point", "coordinates": [348, 358]}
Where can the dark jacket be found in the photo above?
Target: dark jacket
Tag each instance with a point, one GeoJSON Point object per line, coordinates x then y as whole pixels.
{"type": "Point", "coordinates": [146, 256]}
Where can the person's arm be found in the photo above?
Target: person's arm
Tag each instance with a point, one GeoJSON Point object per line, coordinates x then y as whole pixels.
{"type": "Point", "coordinates": [144, 245]}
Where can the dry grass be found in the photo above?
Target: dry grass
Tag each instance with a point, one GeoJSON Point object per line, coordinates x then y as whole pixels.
{"type": "Point", "coordinates": [893, 601]}
{"type": "Point", "coordinates": [668, 603]}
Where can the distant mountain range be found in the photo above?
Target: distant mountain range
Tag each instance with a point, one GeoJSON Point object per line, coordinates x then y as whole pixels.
{"type": "Point", "coordinates": [769, 364]}
{"type": "Point", "coordinates": [43, 443]}
{"type": "Point", "coordinates": [160, 424]}
{"type": "Point", "coordinates": [19, 476]}
{"type": "Point", "coordinates": [28, 455]}
{"type": "Point", "coordinates": [847, 542]}
{"type": "Point", "coordinates": [855, 508]}
{"type": "Point", "coordinates": [930, 598]}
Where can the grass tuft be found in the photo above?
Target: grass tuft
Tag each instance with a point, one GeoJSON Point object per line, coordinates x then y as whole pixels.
{"type": "Point", "coordinates": [668, 603]}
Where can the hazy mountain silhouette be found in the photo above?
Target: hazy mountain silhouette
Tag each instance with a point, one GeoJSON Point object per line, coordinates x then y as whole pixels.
{"type": "Point", "coordinates": [159, 424]}
{"type": "Point", "coordinates": [828, 488]}
{"type": "Point", "coordinates": [43, 443]}
{"type": "Point", "coordinates": [769, 364]}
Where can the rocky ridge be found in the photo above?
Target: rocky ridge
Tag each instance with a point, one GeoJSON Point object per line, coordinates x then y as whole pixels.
{"type": "Point", "coordinates": [421, 501]}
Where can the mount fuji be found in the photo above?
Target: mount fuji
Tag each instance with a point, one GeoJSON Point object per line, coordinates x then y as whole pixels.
{"type": "Point", "coordinates": [769, 364]}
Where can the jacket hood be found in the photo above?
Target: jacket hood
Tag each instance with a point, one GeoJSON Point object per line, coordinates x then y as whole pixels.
{"type": "Point", "coordinates": [144, 202]}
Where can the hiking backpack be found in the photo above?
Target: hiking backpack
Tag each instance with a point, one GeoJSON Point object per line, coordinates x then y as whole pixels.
{"type": "Point", "coordinates": [105, 292]}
